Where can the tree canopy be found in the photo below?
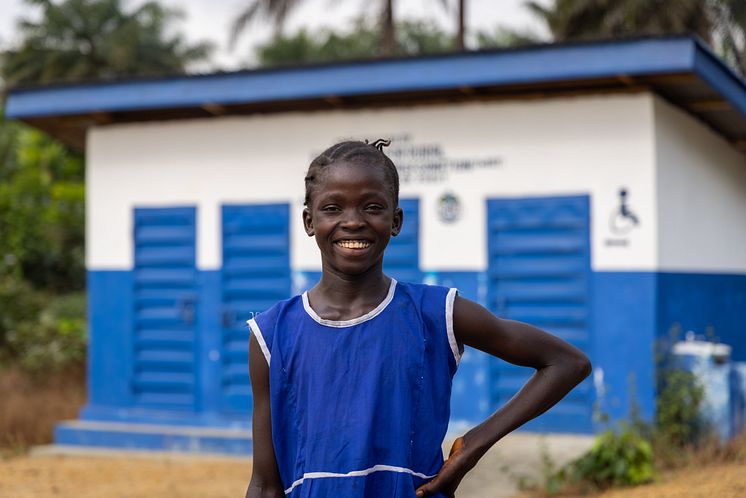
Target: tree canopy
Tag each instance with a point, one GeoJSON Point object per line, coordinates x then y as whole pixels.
{"type": "Point", "coordinates": [720, 23]}
{"type": "Point", "coordinates": [42, 192]}
{"type": "Point", "coordinates": [78, 40]}
{"type": "Point", "coordinates": [413, 38]}
{"type": "Point", "coordinates": [388, 40]}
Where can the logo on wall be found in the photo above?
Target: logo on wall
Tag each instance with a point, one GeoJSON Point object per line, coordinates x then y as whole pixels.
{"type": "Point", "coordinates": [449, 208]}
{"type": "Point", "coordinates": [622, 221]}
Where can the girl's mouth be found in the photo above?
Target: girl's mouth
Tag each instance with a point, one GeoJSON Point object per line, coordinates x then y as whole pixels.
{"type": "Point", "coordinates": [353, 244]}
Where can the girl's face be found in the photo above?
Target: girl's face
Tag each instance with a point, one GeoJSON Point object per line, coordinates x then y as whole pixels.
{"type": "Point", "coordinates": [353, 216]}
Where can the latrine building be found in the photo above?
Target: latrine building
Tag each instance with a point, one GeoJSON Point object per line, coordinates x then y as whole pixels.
{"type": "Point", "coordinates": [597, 190]}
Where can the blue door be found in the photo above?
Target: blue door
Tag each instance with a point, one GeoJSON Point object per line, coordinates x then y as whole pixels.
{"type": "Point", "coordinates": [402, 258]}
{"type": "Point", "coordinates": [539, 273]}
{"type": "Point", "coordinates": [255, 275]}
{"type": "Point", "coordinates": [164, 351]}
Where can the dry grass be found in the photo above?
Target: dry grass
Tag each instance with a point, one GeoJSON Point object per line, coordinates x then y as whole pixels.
{"type": "Point", "coordinates": [31, 405]}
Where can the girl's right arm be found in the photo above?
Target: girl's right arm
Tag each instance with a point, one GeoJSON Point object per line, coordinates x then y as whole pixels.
{"type": "Point", "coordinates": [265, 477]}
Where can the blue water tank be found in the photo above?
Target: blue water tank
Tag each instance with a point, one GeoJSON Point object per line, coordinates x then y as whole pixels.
{"type": "Point", "coordinates": [738, 396]}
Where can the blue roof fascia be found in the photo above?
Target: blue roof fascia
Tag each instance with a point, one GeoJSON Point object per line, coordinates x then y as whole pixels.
{"type": "Point", "coordinates": [541, 64]}
{"type": "Point", "coordinates": [721, 78]}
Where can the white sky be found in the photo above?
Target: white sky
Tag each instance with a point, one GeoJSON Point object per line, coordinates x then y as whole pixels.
{"type": "Point", "coordinates": [211, 20]}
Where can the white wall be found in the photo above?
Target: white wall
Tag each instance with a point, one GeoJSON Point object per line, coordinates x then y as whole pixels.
{"type": "Point", "coordinates": [701, 196]}
{"type": "Point", "coordinates": [584, 145]}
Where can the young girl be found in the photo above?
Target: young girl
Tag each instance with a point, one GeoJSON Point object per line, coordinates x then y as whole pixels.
{"type": "Point", "coordinates": [352, 379]}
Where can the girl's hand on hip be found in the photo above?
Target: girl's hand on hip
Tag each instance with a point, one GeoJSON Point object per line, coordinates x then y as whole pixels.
{"type": "Point", "coordinates": [461, 460]}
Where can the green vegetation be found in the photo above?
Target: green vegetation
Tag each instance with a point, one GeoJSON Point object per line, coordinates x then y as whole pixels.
{"type": "Point", "coordinates": [386, 43]}
{"type": "Point", "coordinates": [617, 458]}
{"type": "Point", "coordinates": [631, 453]}
{"type": "Point", "coordinates": [413, 38]}
{"type": "Point", "coordinates": [720, 23]}
{"type": "Point", "coordinates": [42, 273]}
{"type": "Point", "coordinates": [97, 39]}
{"type": "Point", "coordinates": [42, 189]}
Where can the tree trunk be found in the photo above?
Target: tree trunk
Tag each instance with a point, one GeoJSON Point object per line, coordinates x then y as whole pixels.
{"type": "Point", "coordinates": [461, 25]}
{"type": "Point", "coordinates": [387, 19]}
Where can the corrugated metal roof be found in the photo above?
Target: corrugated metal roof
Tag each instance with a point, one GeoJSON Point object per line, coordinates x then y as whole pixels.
{"type": "Point", "coordinates": [681, 69]}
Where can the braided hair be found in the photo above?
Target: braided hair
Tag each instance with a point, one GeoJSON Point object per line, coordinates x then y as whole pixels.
{"type": "Point", "coordinates": [358, 152]}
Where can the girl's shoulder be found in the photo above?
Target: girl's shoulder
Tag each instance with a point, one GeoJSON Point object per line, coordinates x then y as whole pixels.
{"type": "Point", "coordinates": [428, 294]}
{"type": "Point", "coordinates": [263, 324]}
{"type": "Point", "coordinates": [276, 310]}
{"type": "Point", "coordinates": [435, 307]}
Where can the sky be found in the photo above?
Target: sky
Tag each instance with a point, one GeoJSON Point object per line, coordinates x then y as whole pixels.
{"type": "Point", "coordinates": [211, 20]}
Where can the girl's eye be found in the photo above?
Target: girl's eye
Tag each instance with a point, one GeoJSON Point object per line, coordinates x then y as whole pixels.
{"type": "Point", "coordinates": [330, 208]}
{"type": "Point", "coordinates": [374, 207]}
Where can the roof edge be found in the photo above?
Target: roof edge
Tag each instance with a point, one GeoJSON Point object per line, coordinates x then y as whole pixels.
{"type": "Point", "coordinates": [544, 63]}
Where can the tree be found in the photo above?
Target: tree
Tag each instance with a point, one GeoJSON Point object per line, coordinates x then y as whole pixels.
{"type": "Point", "coordinates": [721, 23]}
{"type": "Point", "coordinates": [42, 270]}
{"type": "Point", "coordinates": [461, 34]}
{"type": "Point", "coordinates": [42, 273]}
{"type": "Point", "coordinates": [413, 38]}
{"type": "Point", "coordinates": [594, 19]}
{"type": "Point", "coordinates": [278, 10]}
{"type": "Point", "coordinates": [96, 39]}
{"type": "Point", "coordinates": [729, 33]}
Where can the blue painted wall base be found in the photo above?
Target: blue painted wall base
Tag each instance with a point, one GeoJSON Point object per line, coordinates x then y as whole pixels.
{"type": "Point", "coordinates": [631, 312]}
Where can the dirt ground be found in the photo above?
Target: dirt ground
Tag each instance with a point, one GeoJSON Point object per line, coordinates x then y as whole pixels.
{"type": "Point", "coordinates": [97, 477]}
{"type": "Point", "coordinates": [519, 457]}
{"type": "Point", "coordinates": [201, 477]}
{"type": "Point", "coordinates": [715, 481]}
{"type": "Point", "coordinates": [121, 475]}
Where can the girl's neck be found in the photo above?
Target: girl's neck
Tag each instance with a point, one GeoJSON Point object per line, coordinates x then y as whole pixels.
{"type": "Point", "coordinates": [340, 297]}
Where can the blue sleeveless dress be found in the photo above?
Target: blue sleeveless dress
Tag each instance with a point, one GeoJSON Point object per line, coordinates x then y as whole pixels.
{"type": "Point", "coordinates": [360, 407]}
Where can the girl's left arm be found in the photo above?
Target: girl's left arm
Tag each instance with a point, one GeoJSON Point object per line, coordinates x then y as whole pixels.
{"type": "Point", "coordinates": [559, 366]}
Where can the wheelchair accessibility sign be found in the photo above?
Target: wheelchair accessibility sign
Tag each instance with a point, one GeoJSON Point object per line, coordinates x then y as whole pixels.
{"type": "Point", "coordinates": [622, 221]}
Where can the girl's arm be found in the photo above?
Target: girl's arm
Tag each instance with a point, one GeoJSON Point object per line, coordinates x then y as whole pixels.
{"type": "Point", "coordinates": [265, 478]}
{"type": "Point", "coordinates": [559, 366]}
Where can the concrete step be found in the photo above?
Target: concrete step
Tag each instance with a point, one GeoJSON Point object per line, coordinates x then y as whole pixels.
{"type": "Point", "coordinates": [151, 437]}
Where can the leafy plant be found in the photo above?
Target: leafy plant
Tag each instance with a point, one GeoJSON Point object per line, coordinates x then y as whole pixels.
{"type": "Point", "coordinates": [54, 339]}
{"type": "Point", "coordinates": [617, 458]}
{"type": "Point", "coordinates": [677, 419]}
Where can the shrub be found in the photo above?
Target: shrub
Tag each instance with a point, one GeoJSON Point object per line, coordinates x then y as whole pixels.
{"type": "Point", "coordinates": [677, 417]}
{"type": "Point", "coordinates": [19, 303]}
{"type": "Point", "coordinates": [620, 458]}
{"type": "Point", "coordinates": [52, 339]}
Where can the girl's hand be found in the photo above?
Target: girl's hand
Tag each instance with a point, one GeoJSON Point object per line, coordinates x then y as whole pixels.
{"type": "Point", "coordinates": [461, 460]}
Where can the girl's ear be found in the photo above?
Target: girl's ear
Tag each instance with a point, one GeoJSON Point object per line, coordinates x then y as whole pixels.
{"type": "Point", "coordinates": [397, 222]}
{"type": "Point", "coordinates": [308, 222]}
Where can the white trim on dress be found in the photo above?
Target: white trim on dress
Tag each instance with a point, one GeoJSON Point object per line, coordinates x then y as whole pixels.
{"type": "Point", "coordinates": [450, 298]}
{"type": "Point", "coordinates": [260, 339]}
{"type": "Point", "coordinates": [355, 473]}
{"type": "Point", "coordinates": [349, 323]}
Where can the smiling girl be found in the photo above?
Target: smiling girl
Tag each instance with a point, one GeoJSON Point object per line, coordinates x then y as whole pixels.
{"type": "Point", "coordinates": [352, 379]}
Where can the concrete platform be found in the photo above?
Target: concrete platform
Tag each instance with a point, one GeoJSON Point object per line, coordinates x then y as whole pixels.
{"type": "Point", "coordinates": [149, 437]}
{"type": "Point", "coordinates": [520, 457]}
{"type": "Point", "coordinates": [62, 450]}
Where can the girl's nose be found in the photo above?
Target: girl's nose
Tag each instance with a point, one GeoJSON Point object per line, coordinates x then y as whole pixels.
{"type": "Point", "coordinates": [352, 219]}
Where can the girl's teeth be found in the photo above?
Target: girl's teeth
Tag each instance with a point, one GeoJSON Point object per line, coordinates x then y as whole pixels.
{"type": "Point", "coordinates": [353, 244]}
